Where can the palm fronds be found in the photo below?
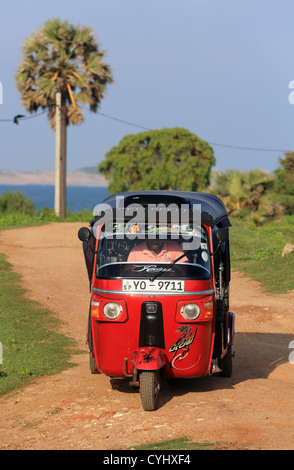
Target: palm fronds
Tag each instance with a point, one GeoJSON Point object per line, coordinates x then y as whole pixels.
{"type": "Point", "coordinates": [64, 58]}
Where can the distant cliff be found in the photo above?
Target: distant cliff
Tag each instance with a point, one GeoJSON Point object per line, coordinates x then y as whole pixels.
{"type": "Point", "coordinates": [83, 177]}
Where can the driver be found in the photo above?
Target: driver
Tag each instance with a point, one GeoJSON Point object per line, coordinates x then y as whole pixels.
{"type": "Point", "coordinates": [156, 250]}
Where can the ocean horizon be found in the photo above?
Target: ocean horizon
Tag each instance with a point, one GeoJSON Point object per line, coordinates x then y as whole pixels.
{"type": "Point", "coordinates": [77, 197]}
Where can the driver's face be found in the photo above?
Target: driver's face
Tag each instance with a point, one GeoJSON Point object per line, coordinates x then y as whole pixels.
{"type": "Point", "coordinates": [155, 245]}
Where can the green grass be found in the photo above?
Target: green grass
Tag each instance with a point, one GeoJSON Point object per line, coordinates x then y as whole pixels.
{"type": "Point", "coordinates": [182, 443]}
{"type": "Point", "coordinates": [257, 252]}
{"type": "Point", "coordinates": [28, 333]}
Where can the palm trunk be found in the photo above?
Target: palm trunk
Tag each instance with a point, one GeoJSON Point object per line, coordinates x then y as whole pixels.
{"type": "Point", "coordinates": [60, 158]}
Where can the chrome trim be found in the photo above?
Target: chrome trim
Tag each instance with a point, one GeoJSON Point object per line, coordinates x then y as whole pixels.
{"type": "Point", "coordinates": [120, 292]}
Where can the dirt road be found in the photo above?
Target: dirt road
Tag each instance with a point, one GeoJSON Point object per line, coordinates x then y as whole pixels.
{"type": "Point", "coordinates": [76, 410]}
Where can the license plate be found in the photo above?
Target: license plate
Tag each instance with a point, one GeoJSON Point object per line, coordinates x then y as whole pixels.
{"type": "Point", "coordinates": [158, 285]}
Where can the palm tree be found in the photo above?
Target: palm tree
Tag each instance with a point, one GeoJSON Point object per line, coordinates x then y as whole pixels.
{"type": "Point", "coordinates": [242, 189]}
{"type": "Point", "coordinates": [62, 68]}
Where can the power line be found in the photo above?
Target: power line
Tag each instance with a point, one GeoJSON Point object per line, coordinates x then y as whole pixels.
{"type": "Point", "coordinates": [256, 149]}
{"type": "Point", "coordinates": [35, 115]}
{"type": "Point", "coordinates": [236, 147]}
{"type": "Point", "coordinates": [216, 144]}
{"type": "Point", "coordinates": [16, 118]}
{"type": "Point", "coordinates": [124, 122]}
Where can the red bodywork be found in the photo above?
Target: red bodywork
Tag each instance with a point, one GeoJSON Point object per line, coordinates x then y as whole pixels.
{"type": "Point", "coordinates": [188, 345]}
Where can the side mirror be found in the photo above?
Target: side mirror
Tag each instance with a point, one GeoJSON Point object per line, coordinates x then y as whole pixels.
{"type": "Point", "coordinates": [84, 234]}
{"type": "Point", "coordinates": [222, 235]}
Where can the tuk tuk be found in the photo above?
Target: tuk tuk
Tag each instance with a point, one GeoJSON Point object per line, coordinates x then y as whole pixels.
{"type": "Point", "coordinates": [159, 272]}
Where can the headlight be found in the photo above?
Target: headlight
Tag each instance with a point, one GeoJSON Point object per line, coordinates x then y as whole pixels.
{"type": "Point", "coordinates": [112, 310]}
{"type": "Point", "coordinates": [190, 311]}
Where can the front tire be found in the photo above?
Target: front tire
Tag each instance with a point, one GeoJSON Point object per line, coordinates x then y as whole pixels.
{"type": "Point", "coordinates": [93, 366]}
{"type": "Point", "coordinates": [226, 364]}
{"type": "Point", "coordinates": [149, 389]}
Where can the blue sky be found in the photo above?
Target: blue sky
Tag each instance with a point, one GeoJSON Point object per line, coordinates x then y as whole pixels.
{"type": "Point", "coordinates": [218, 68]}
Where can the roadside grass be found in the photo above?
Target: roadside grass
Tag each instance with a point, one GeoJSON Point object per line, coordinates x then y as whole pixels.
{"type": "Point", "coordinates": [181, 443]}
{"type": "Point", "coordinates": [257, 252]}
{"type": "Point", "coordinates": [31, 345]}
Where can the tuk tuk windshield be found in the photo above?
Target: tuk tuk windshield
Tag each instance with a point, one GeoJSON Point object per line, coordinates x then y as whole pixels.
{"type": "Point", "coordinates": [147, 251]}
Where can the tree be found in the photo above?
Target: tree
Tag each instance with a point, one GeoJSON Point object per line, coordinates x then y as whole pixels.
{"type": "Point", "coordinates": [160, 159]}
{"type": "Point", "coordinates": [284, 184]}
{"type": "Point", "coordinates": [285, 174]}
{"type": "Point", "coordinates": [242, 188]}
{"type": "Point", "coordinates": [247, 194]}
{"type": "Point", "coordinates": [62, 61]}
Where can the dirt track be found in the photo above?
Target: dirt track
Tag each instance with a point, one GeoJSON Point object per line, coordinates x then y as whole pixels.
{"type": "Point", "coordinates": [76, 410]}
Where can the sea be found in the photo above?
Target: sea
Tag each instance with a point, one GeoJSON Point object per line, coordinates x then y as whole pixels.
{"type": "Point", "coordinates": [77, 197]}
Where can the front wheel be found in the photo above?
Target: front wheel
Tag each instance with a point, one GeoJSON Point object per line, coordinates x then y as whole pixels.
{"type": "Point", "coordinates": [149, 389]}
{"type": "Point", "coordinates": [226, 363]}
{"type": "Point", "coordinates": [93, 366]}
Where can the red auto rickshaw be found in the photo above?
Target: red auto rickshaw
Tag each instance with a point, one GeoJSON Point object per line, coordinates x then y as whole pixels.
{"type": "Point", "coordinates": [159, 313]}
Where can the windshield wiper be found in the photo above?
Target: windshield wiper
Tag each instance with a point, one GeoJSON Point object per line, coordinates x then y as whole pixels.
{"type": "Point", "coordinates": [171, 264]}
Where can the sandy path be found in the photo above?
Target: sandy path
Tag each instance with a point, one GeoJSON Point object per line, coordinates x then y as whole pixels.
{"type": "Point", "coordinates": [77, 410]}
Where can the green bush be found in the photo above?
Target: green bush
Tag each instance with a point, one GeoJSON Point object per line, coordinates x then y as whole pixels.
{"type": "Point", "coordinates": [11, 202]}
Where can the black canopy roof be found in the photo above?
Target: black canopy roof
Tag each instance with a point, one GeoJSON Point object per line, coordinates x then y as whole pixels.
{"type": "Point", "coordinates": [213, 210]}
